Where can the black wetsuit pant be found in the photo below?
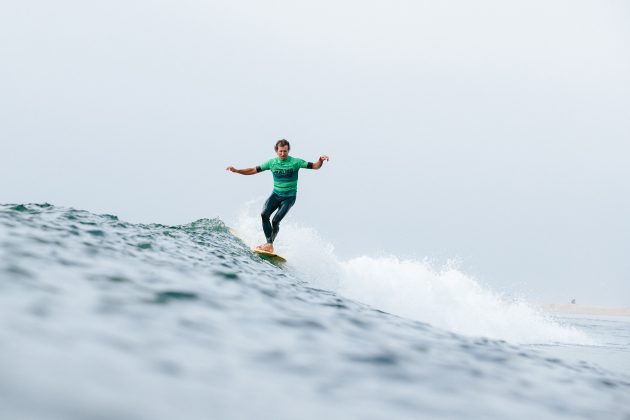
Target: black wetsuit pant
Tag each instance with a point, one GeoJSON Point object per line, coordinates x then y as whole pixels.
{"type": "Point", "coordinates": [273, 203]}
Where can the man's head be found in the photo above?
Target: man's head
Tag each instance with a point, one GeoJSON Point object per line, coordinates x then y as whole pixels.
{"type": "Point", "coordinates": [282, 149]}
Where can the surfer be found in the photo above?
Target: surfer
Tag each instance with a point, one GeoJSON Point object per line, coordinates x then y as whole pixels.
{"type": "Point", "coordinates": [285, 176]}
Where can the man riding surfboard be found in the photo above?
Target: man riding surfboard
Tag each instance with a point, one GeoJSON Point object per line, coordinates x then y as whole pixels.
{"type": "Point", "coordinates": [285, 176]}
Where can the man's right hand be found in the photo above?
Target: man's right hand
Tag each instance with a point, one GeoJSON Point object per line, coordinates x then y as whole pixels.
{"type": "Point", "coordinates": [231, 169]}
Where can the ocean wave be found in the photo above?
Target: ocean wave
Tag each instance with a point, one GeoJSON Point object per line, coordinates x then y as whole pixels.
{"type": "Point", "coordinates": [101, 318]}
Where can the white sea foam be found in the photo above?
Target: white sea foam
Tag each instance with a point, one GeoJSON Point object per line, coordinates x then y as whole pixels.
{"type": "Point", "coordinates": [444, 297]}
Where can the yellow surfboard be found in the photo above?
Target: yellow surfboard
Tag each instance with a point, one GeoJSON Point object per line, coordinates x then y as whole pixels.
{"type": "Point", "coordinates": [270, 256]}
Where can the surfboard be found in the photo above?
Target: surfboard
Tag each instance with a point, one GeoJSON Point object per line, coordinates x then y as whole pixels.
{"type": "Point", "coordinates": [270, 256]}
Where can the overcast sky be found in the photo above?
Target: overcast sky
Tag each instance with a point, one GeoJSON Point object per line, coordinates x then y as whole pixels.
{"type": "Point", "coordinates": [494, 132]}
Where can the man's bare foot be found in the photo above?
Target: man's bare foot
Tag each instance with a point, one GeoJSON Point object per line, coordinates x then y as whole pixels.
{"type": "Point", "coordinates": [265, 247]}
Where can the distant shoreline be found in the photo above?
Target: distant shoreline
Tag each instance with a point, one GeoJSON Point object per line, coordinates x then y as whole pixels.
{"type": "Point", "coordinates": [583, 309]}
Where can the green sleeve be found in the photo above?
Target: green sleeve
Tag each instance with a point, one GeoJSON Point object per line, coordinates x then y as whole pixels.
{"type": "Point", "coordinates": [301, 163]}
{"type": "Point", "coordinates": [266, 166]}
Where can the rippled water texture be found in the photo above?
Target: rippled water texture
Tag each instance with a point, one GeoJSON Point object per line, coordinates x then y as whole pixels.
{"type": "Point", "coordinates": [103, 319]}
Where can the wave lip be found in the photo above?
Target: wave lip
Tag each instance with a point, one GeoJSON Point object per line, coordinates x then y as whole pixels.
{"type": "Point", "coordinates": [446, 298]}
{"type": "Point", "coordinates": [449, 299]}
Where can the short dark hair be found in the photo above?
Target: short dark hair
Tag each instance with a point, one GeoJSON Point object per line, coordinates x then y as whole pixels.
{"type": "Point", "coordinates": [281, 143]}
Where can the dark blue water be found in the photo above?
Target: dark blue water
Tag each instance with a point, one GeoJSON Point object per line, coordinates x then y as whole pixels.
{"type": "Point", "coordinates": [104, 319]}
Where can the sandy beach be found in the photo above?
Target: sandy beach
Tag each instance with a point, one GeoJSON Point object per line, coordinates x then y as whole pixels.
{"type": "Point", "coordinates": [569, 308]}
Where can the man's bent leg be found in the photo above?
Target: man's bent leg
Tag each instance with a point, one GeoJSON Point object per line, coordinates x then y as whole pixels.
{"type": "Point", "coordinates": [270, 206]}
{"type": "Point", "coordinates": [285, 206]}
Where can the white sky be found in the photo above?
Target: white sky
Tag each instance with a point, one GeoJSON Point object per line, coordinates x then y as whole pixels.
{"type": "Point", "coordinates": [493, 132]}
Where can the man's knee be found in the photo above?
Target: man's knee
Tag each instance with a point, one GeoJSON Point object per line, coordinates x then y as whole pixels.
{"type": "Point", "coordinates": [265, 216]}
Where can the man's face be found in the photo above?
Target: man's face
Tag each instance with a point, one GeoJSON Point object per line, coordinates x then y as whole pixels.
{"type": "Point", "coordinates": [282, 152]}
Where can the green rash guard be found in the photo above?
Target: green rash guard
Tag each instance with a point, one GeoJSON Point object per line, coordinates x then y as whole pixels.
{"type": "Point", "coordinates": [285, 174]}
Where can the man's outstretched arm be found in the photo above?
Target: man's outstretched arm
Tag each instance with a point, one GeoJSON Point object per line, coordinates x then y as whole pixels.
{"type": "Point", "coordinates": [248, 171]}
{"type": "Point", "coordinates": [320, 162]}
